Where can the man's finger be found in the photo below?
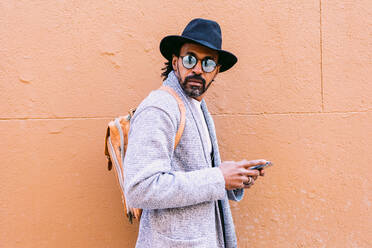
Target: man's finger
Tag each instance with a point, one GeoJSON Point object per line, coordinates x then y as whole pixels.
{"type": "Point", "coordinates": [246, 164]}
{"type": "Point", "coordinates": [250, 183]}
{"type": "Point", "coordinates": [247, 172]}
{"type": "Point", "coordinates": [245, 179]}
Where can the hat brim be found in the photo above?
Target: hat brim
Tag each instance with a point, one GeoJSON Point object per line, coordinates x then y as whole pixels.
{"type": "Point", "coordinates": [172, 43]}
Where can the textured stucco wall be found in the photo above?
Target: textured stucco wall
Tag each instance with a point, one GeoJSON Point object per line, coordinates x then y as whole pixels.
{"type": "Point", "coordinates": [300, 95]}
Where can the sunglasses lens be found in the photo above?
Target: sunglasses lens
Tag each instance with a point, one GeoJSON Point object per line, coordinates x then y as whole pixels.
{"type": "Point", "coordinates": [189, 61]}
{"type": "Point", "coordinates": [208, 65]}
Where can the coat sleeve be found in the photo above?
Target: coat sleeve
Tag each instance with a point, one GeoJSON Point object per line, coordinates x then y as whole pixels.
{"type": "Point", "coordinates": [235, 195]}
{"type": "Point", "coordinates": [150, 182]}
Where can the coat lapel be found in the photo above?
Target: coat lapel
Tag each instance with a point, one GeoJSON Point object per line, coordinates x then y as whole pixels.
{"type": "Point", "coordinates": [172, 82]}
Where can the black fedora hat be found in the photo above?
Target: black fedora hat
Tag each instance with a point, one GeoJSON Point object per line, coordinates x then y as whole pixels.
{"type": "Point", "coordinates": [203, 32]}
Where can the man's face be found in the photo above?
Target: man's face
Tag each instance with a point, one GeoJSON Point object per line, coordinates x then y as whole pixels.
{"type": "Point", "coordinates": [195, 81]}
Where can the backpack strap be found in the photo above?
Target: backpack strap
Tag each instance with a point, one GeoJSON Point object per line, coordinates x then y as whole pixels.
{"type": "Point", "coordinates": [118, 126]}
{"type": "Point", "coordinates": [182, 108]}
{"type": "Point", "coordinates": [109, 162]}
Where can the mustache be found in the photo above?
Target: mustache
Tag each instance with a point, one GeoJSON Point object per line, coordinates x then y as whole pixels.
{"type": "Point", "coordinates": [196, 77]}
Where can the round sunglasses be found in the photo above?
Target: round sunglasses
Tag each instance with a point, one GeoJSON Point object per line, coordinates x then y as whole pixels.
{"type": "Point", "coordinates": [189, 61]}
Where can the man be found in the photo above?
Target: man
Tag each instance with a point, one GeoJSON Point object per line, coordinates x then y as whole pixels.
{"type": "Point", "coordinates": [184, 191]}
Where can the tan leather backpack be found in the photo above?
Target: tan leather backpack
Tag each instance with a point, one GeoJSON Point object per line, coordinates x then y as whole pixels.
{"type": "Point", "coordinates": [116, 143]}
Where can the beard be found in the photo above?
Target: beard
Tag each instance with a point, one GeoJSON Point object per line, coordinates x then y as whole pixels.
{"type": "Point", "coordinates": [193, 90]}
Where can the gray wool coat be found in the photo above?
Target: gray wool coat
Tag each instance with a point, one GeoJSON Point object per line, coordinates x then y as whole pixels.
{"type": "Point", "coordinates": [183, 197]}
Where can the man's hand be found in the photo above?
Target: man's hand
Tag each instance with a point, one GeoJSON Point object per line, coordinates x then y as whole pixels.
{"type": "Point", "coordinates": [237, 174]}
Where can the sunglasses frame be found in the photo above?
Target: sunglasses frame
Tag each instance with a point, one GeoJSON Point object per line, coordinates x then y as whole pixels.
{"type": "Point", "coordinates": [197, 61]}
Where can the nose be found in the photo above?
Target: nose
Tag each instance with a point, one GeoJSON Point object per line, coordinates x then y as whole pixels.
{"type": "Point", "coordinates": [198, 68]}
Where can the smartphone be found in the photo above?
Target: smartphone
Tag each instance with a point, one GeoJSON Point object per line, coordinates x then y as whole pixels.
{"type": "Point", "coordinates": [261, 166]}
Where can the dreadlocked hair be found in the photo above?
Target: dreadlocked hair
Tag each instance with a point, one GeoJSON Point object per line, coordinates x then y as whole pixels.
{"type": "Point", "coordinates": [166, 69]}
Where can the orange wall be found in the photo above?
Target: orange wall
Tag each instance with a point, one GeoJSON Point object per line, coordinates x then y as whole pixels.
{"type": "Point", "coordinates": [300, 95]}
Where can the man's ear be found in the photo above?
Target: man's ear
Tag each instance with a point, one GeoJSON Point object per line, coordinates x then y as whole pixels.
{"type": "Point", "coordinates": [174, 62]}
